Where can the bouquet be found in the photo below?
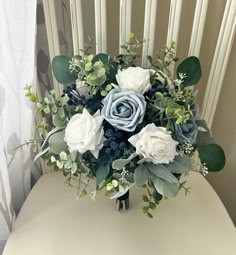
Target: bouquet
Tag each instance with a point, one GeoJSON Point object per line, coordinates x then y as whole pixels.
{"type": "Point", "coordinates": [125, 125]}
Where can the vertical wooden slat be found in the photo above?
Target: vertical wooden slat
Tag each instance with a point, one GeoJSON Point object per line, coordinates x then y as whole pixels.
{"type": "Point", "coordinates": [174, 24]}
{"type": "Point", "coordinates": [220, 61]}
{"type": "Point", "coordinates": [149, 29]}
{"type": "Point", "coordinates": [80, 26]}
{"type": "Point", "coordinates": [198, 27]}
{"type": "Point", "coordinates": [77, 26]}
{"type": "Point", "coordinates": [52, 35]}
{"type": "Point", "coordinates": [125, 21]}
{"type": "Point", "coordinates": [100, 25]}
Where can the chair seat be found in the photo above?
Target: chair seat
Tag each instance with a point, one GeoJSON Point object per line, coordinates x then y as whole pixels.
{"type": "Point", "coordinates": [52, 221]}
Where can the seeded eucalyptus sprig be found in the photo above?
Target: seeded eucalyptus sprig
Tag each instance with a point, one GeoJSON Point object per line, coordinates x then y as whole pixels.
{"type": "Point", "coordinates": [164, 60]}
{"type": "Point", "coordinates": [130, 47]}
{"type": "Point", "coordinates": [152, 198]}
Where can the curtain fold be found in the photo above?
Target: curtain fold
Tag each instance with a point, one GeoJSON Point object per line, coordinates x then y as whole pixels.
{"type": "Point", "coordinates": [17, 68]}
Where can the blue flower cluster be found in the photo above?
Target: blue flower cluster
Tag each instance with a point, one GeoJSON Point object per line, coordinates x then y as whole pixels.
{"type": "Point", "coordinates": [114, 145]}
{"type": "Point", "coordinates": [157, 86]}
{"type": "Point", "coordinates": [74, 97]}
{"type": "Point", "coordinates": [93, 104]}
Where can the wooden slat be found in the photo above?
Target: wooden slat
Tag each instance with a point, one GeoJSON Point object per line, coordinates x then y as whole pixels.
{"type": "Point", "coordinates": [198, 27]}
{"type": "Point", "coordinates": [174, 24]}
{"type": "Point", "coordinates": [149, 30]}
{"type": "Point", "coordinates": [125, 21]}
{"type": "Point", "coordinates": [80, 26]}
{"type": "Point", "coordinates": [220, 61]}
{"type": "Point", "coordinates": [77, 26]}
{"type": "Point", "coordinates": [100, 26]}
{"type": "Point", "coordinates": [52, 35]}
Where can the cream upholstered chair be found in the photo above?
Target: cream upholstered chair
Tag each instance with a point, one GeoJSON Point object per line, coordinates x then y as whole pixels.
{"type": "Point", "coordinates": [51, 221]}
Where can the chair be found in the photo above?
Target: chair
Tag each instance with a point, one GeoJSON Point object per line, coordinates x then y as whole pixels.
{"type": "Point", "coordinates": [52, 222]}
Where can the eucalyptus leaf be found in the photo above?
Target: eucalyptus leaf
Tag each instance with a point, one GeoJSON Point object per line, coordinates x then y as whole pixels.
{"type": "Point", "coordinates": [213, 156]}
{"type": "Point", "coordinates": [63, 156]}
{"type": "Point", "coordinates": [119, 164]}
{"type": "Point", "coordinates": [141, 174]}
{"type": "Point", "coordinates": [58, 121]}
{"type": "Point", "coordinates": [84, 169]}
{"type": "Point", "coordinates": [56, 129]}
{"type": "Point", "coordinates": [192, 68]}
{"type": "Point", "coordinates": [41, 153]}
{"type": "Point", "coordinates": [68, 164]}
{"type": "Point", "coordinates": [73, 155]}
{"type": "Point", "coordinates": [103, 168]}
{"type": "Point", "coordinates": [74, 168]}
{"type": "Point", "coordinates": [61, 70]}
{"type": "Point", "coordinates": [108, 61]}
{"type": "Point", "coordinates": [204, 137]}
{"type": "Point", "coordinates": [57, 143]}
{"type": "Point", "coordinates": [121, 193]}
{"type": "Point", "coordinates": [60, 164]}
{"type": "Point", "coordinates": [165, 188]}
{"type": "Point", "coordinates": [61, 112]}
{"type": "Point", "coordinates": [157, 196]}
{"type": "Point", "coordinates": [161, 171]}
{"type": "Point", "coordinates": [203, 124]}
{"type": "Point", "coordinates": [182, 164]}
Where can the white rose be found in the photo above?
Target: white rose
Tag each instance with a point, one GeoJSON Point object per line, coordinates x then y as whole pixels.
{"type": "Point", "coordinates": [81, 88]}
{"type": "Point", "coordinates": [84, 132]}
{"type": "Point", "coordinates": [155, 144]}
{"type": "Point", "coordinates": [134, 78]}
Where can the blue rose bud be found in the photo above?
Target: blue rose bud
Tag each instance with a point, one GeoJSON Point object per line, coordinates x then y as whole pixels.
{"type": "Point", "coordinates": [185, 132]}
{"type": "Point", "coordinates": [124, 109]}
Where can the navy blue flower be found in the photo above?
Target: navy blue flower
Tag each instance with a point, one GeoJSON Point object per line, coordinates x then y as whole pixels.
{"type": "Point", "coordinates": [156, 87]}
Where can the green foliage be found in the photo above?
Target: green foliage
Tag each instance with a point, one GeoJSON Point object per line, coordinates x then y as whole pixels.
{"type": "Point", "coordinates": [165, 108]}
{"type": "Point", "coordinates": [61, 69]}
{"type": "Point", "coordinates": [165, 188]}
{"type": "Point", "coordinates": [212, 155]}
{"type": "Point", "coordinates": [186, 189]}
{"type": "Point", "coordinates": [97, 71]}
{"type": "Point", "coordinates": [41, 153]}
{"type": "Point", "coordinates": [129, 57]}
{"type": "Point", "coordinates": [164, 181]}
{"type": "Point", "coordinates": [151, 198]}
{"type": "Point", "coordinates": [160, 171]}
{"type": "Point", "coordinates": [57, 143]}
{"type": "Point", "coordinates": [203, 137]}
{"type": "Point", "coordinates": [181, 164]}
{"type": "Point", "coordinates": [192, 68]}
{"type": "Point", "coordinates": [29, 93]}
{"type": "Point", "coordinates": [110, 66]}
{"type": "Point", "coordinates": [141, 174]}
{"type": "Point", "coordinates": [103, 167]}
{"type": "Point", "coordinates": [119, 164]}
{"type": "Point", "coordinates": [165, 59]}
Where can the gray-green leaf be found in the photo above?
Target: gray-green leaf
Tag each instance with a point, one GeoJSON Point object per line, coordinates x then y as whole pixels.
{"type": "Point", "coordinates": [119, 164]}
{"type": "Point", "coordinates": [61, 70]}
{"type": "Point", "coordinates": [57, 143]}
{"type": "Point", "coordinates": [141, 174]}
{"type": "Point", "coordinates": [165, 188]}
{"type": "Point", "coordinates": [182, 164]}
{"type": "Point", "coordinates": [161, 171]}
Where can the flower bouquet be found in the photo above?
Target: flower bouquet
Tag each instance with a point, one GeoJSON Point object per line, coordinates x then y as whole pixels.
{"type": "Point", "coordinates": [124, 125]}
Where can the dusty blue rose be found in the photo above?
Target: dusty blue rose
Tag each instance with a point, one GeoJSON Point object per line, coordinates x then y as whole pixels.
{"type": "Point", "coordinates": [185, 132]}
{"type": "Point", "coordinates": [124, 109]}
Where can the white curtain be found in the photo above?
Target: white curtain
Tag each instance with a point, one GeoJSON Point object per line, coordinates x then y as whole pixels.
{"type": "Point", "coordinates": [17, 68]}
